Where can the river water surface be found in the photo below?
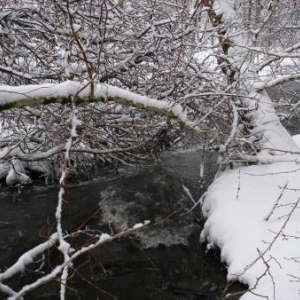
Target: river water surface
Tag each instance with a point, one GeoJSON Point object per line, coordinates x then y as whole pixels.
{"type": "Point", "coordinates": [166, 261]}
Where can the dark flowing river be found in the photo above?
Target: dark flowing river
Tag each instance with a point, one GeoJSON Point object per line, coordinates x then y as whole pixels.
{"type": "Point", "coordinates": [165, 262]}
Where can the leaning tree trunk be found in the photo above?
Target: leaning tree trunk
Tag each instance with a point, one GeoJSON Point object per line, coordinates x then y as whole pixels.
{"type": "Point", "coordinates": [256, 134]}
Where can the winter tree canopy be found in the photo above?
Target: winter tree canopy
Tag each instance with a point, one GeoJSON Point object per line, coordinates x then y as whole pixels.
{"type": "Point", "coordinates": [84, 82]}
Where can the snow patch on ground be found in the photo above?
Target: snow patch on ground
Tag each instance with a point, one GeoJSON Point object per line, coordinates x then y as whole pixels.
{"type": "Point", "coordinates": [253, 216]}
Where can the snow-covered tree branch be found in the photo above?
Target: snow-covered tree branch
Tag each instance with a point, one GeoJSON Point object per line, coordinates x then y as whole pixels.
{"type": "Point", "coordinates": [81, 49]}
{"type": "Point", "coordinates": [258, 120]}
{"type": "Point", "coordinates": [237, 201]}
{"type": "Point", "coordinates": [84, 83]}
{"type": "Point", "coordinates": [30, 95]}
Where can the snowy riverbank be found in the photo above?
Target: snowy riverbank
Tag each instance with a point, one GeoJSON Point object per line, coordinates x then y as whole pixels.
{"type": "Point", "coordinates": [253, 216]}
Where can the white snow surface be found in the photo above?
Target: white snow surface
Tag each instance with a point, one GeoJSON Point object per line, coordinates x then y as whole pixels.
{"type": "Point", "coordinates": [16, 174]}
{"type": "Point", "coordinates": [224, 8]}
{"type": "Point", "coordinates": [267, 123]}
{"type": "Point", "coordinates": [140, 225]}
{"type": "Point", "coordinates": [253, 216]}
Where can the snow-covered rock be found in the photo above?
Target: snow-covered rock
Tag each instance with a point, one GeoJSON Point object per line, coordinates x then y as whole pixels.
{"type": "Point", "coordinates": [16, 174]}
